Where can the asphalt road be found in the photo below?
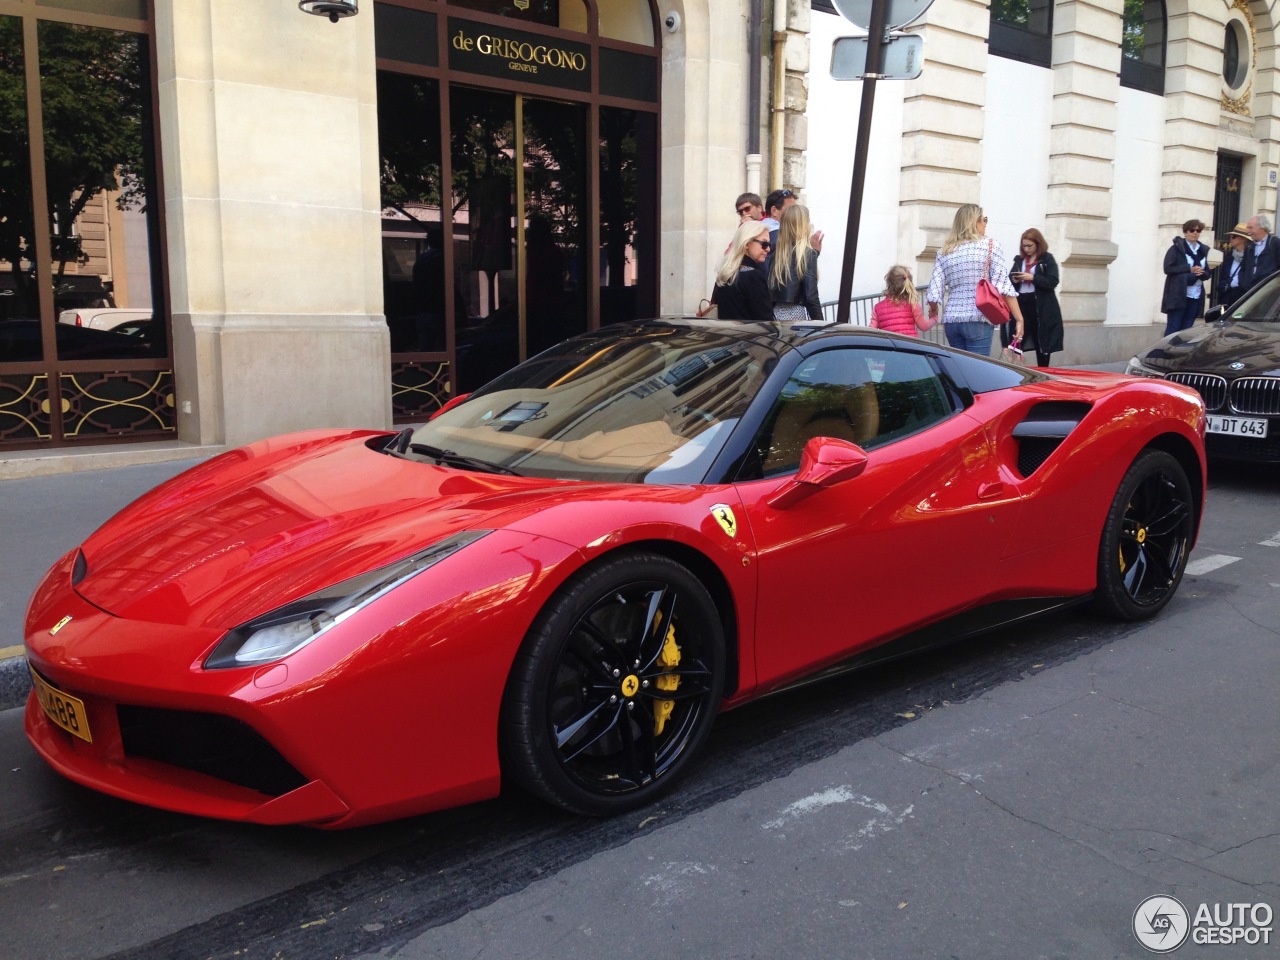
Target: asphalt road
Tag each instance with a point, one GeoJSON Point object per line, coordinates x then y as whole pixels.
{"type": "Point", "coordinates": [1015, 796]}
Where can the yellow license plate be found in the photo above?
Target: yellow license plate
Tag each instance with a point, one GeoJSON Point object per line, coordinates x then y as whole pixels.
{"type": "Point", "coordinates": [62, 709]}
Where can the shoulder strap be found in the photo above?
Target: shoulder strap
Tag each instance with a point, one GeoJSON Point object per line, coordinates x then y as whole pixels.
{"type": "Point", "coordinates": [986, 270]}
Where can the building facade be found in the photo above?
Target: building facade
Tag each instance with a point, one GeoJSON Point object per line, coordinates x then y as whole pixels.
{"type": "Point", "coordinates": [227, 220]}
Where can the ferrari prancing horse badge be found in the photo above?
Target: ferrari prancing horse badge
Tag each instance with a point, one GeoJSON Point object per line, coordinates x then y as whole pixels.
{"type": "Point", "coordinates": [724, 516]}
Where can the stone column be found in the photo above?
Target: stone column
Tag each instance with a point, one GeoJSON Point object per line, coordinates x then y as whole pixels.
{"type": "Point", "coordinates": [942, 129]}
{"type": "Point", "coordinates": [1193, 101]}
{"type": "Point", "coordinates": [269, 146]}
{"type": "Point", "coordinates": [1082, 142]}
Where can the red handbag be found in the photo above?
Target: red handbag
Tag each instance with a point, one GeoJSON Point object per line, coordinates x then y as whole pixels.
{"type": "Point", "coordinates": [989, 301]}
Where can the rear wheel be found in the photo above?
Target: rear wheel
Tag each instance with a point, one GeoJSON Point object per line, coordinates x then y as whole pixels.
{"type": "Point", "coordinates": [615, 688]}
{"type": "Point", "coordinates": [1146, 538]}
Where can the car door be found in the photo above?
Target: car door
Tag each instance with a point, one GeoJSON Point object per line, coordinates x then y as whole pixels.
{"type": "Point", "coordinates": [914, 537]}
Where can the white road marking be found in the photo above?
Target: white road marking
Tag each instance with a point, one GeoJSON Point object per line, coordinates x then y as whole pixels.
{"type": "Point", "coordinates": [1212, 562]}
{"type": "Point", "coordinates": [1274, 541]}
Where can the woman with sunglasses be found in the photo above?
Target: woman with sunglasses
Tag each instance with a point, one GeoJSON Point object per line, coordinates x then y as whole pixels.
{"type": "Point", "coordinates": [742, 293]}
{"type": "Point", "coordinates": [966, 256]}
{"type": "Point", "coordinates": [1185, 267]}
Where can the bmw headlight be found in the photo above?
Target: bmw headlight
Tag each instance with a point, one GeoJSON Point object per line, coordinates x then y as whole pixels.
{"type": "Point", "coordinates": [1136, 368]}
{"type": "Point", "coordinates": [288, 629]}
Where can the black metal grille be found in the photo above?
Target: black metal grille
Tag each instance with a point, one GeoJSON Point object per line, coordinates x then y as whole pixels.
{"type": "Point", "coordinates": [1259, 396]}
{"type": "Point", "coordinates": [207, 743]}
{"type": "Point", "coordinates": [1211, 387]}
{"type": "Point", "coordinates": [1034, 451]}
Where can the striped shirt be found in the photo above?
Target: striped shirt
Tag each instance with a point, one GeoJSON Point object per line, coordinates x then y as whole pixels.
{"type": "Point", "coordinates": [959, 271]}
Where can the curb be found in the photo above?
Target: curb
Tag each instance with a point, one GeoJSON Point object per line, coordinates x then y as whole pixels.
{"type": "Point", "coordinates": [15, 682]}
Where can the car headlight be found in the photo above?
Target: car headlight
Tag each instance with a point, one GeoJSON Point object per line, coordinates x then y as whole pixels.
{"type": "Point", "coordinates": [1136, 368]}
{"type": "Point", "coordinates": [288, 629]}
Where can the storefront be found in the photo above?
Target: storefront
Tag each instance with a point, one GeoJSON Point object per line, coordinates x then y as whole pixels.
{"type": "Point", "coordinates": [518, 149]}
{"type": "Point", "coordinates": [85, 353]}
{"type": "Point", "coordinates": [517, 170]}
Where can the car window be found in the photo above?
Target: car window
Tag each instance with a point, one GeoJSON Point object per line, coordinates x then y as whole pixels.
{"type": "Point", "coordinates": [1260, 303]}
{"type": "Point", "coordinates": [650, 405]}
{"type": "Point", "coordinates": [863, 395]}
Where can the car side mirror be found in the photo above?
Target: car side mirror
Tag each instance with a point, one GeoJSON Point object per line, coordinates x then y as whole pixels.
{"type": "Point", "coordinates": [1216, 314]}
{"type": "Point", "coordinates": [824, 462]}
{"type": "Point", "coordinates": [450, 404]}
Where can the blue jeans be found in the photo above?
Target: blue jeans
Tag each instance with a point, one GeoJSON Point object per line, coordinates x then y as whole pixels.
{"type": "Point", "coordinates": [971, 335]}
{"type": "Point", "coordinates": [1183, 318]}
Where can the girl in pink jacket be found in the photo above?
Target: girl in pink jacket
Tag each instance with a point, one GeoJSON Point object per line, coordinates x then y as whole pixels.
{"type": "Point", "coordinates": [899, 311]}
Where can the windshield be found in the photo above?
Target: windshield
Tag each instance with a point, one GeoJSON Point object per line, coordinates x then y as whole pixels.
{"type": "Point", "coordinates": [1261, 303]}
{"type": "Point", "coordinates": [648, 404]}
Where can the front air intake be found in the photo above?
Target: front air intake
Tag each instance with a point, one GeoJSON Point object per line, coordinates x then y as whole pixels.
{"type": "Point", "coordinates": [208, 743]}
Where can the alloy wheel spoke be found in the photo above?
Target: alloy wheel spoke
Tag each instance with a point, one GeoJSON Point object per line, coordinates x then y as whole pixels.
{"type": "Point", "coordinates": [695, 682]}
{"type": "Point", "coordinates": [1136, 574]}
{"type": "Point", "coordinates": [601, 715]}
{"type": "Point", "coordinates": [658, 620]}
{"type": "Point", "coordinates": [639, 753]}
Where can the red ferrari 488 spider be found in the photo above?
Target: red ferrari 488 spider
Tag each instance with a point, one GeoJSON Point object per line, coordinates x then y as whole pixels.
{"type": "Point", "coordinates": [559, 580]}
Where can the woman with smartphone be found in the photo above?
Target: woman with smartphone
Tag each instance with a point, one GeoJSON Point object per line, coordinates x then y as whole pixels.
{"type": "Point", "coordinates": [1034, 276]}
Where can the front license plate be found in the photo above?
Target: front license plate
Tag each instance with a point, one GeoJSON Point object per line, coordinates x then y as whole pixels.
{"type": "Point", "coordinates": [62, 709]}
{"type": "Point", "coordinates": [1236, 426]}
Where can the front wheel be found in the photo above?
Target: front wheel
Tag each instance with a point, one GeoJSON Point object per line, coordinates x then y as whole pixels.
{"type": "Point", "coordinates": [615, 688]}
{"type": "Point", "coordinates": [1146, 538]}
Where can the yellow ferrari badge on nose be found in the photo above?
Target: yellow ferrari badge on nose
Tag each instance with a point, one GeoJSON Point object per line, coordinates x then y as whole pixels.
{"type": "Point", "coordinates": [53, 631]}
{"type": "Point", "coordinates": [724, 516]}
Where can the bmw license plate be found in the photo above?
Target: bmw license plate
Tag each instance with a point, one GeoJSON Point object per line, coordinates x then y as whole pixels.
{"type": "Point", "coordinates": [62, 709]}
{"type": "Point", "coordinates": [1236, 426]}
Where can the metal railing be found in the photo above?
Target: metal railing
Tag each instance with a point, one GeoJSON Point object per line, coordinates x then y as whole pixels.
{"type": "Point", "coordinates": [860, 313]}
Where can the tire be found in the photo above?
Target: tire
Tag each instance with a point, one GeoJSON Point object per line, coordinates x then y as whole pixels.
{"type": "Point", "coordinates": [580, 724]}
{"type": "Point", "coordinates": [1146, 538]}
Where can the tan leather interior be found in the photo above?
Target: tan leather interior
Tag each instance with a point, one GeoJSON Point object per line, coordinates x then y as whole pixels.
{"type": "Point", "coordinates": [849, 413]}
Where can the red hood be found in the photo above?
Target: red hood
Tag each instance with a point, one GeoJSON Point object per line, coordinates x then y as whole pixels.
{"type": "Point", "coordinates": [258, 527]}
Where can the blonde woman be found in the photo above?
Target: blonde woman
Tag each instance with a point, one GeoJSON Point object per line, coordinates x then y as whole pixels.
{"type": "Point", "coordinates": [793, 274]}
{"type": "Point", "coordinates": [961, 261]}
{"type": "Point", "coordinates": [742, 292]}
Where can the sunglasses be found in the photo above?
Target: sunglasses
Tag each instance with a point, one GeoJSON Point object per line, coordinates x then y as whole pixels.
{"type": "Point", "coordinates": [743, 211]}
{"type": "Point", "coordinates": [982, 219]}
{"type": "Point", "coordinates": [1195, 229]}
{"type": "Point", "coordinates": [764, 244]}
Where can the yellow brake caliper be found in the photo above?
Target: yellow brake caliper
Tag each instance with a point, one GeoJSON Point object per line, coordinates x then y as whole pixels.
{"type": "Point", "coordinates": [669, 659]}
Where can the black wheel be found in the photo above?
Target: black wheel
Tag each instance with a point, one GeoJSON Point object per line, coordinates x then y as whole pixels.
{"type": "Point", "coordinates": [1146, 538]}
{"type": "Point", "coordinates": [615, 688]}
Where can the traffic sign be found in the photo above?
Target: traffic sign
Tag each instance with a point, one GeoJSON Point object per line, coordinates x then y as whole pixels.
{"type": "Point", "coordinates": [899, 14]}
{"type": "Point", "coordinates": [903, 57]}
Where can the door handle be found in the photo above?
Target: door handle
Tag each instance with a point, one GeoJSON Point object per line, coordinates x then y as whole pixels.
{"type": "Point", "coordinates": [989, 491]}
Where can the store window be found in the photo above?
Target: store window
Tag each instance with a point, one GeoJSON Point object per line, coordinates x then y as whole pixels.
{"type": "Point", "coordinates": [84, 346]}
{"type": "Point", "coordinates": [1022, 30]}
{"type": "Point", "coordinates": [518, 209]}
{"type": "Point", "coordinates": [1142, 46]}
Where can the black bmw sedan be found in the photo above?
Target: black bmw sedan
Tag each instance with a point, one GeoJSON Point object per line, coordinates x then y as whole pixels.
{"type": "Point", "coordinates": [1233, 360]}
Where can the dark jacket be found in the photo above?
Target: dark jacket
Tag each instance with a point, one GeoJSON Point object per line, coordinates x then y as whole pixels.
{"type": "Point", "coordinates": [1256, 266]}
{"type": "Point", "coordinates": [802, 289]}
{"type": "Point", "coordinates": [1178, 275]}
{"type": "Point", "coordinates": [747, 298]}
{"type": "Point", "coordinates": [1048, 313]}
{"type": "Point", "coordinates": [1224, 291]}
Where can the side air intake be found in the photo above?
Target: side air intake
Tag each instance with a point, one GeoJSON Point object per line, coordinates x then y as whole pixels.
{"type": "Point", "coordinates": [1042, 431]}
